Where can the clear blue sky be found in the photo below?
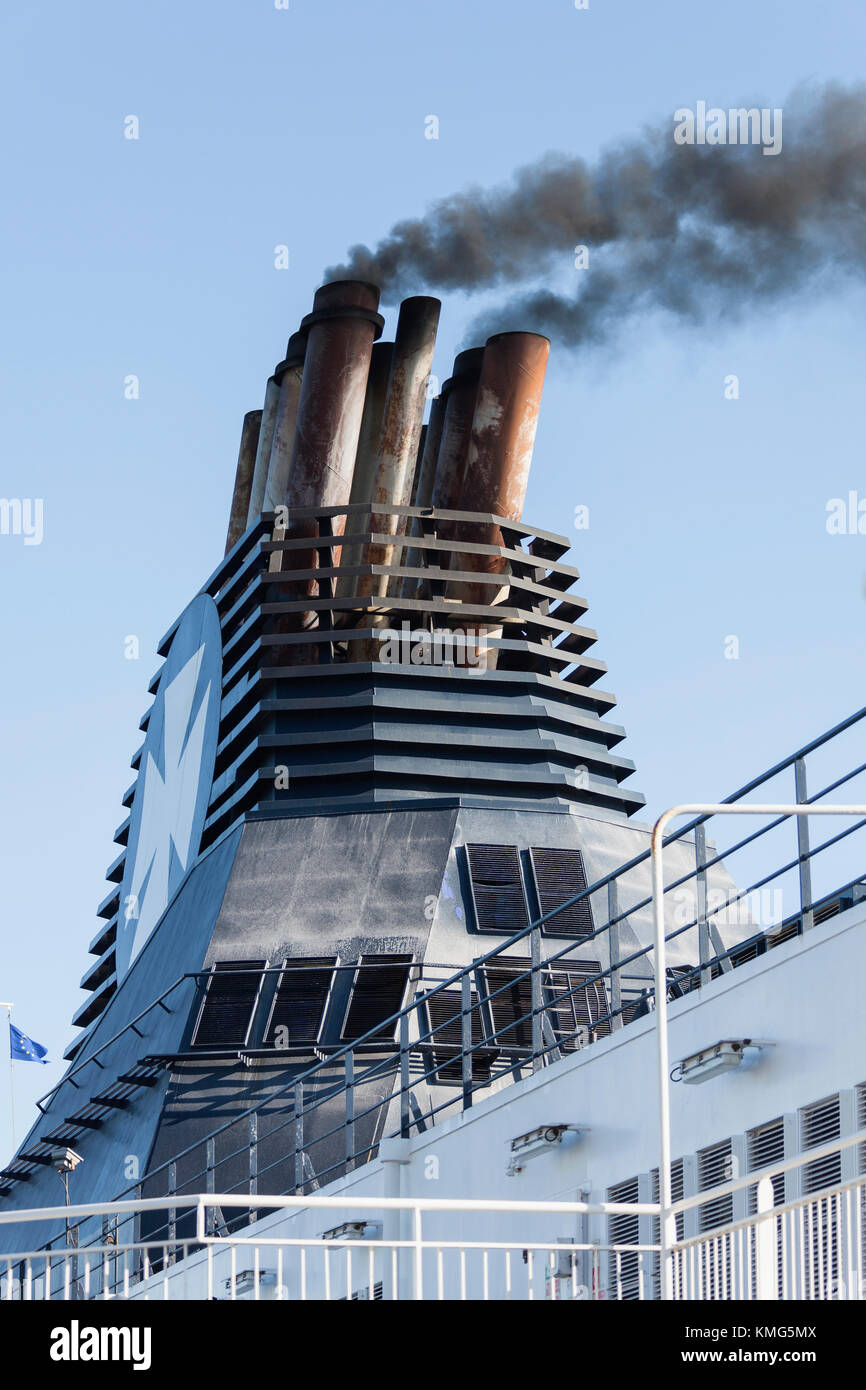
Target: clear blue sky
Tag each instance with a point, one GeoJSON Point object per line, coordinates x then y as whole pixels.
{"type": "Point", "coordinates": [155, 257]}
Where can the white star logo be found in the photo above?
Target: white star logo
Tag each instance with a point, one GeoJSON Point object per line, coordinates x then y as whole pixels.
{"type": "Point", "coordinates": [168, 802]}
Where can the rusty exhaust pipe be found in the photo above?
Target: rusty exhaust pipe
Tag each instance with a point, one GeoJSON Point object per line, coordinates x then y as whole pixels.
{"type": "Point", "coordinates": [504, 425]}
{"type": "Point", "coordinates": [340, 333]}
{"type": "Point", "coordinates": [263, 451]}
{"type": "Point", "coordinates": [367, 455]}
{"type": "Point", "coordinates": [500, 452]}
{"type": "Point", "coordinates": [243, 478]}
{"type": "Point", "coordinates": [425, 473]}
{"type": "Point", "coordinates": [412, 362]}
{"type": "Point", "coordinates": [288, 377]}
{"type": "Point", "coordinates": [460, 393]}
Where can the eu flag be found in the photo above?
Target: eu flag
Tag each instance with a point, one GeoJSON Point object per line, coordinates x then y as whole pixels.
{"type": "Point", "coordinates": [24, 1049]}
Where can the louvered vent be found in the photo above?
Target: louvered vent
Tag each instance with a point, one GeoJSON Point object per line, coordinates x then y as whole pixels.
{"type": "Point", "coordinates": [228, 1005]}
{"type": "Point", "coordinates": [364, 1295]}
{"type": "Point", "coordinates": [764, 1146]}
{"type": "Point", "coordinates": [786, 933]}
{"type": "Point", "coordinates": [299, 1004]}
{"type": "Point", "coordinates": [497, 888]}
{"type": "Point", "coordinates": [860, 1110]}
{"type": "Point", "coordinates": [860, 1121]}
{"type": "Point", "coordinates": [559, 874]}
{"type": "Point", "coordinates": [377, 993]}
{"type": "Point", "coordinates": [624, 1268]}
{"type": "Point", "coordinates": [677, 1194]}
{"type": "Point", "coordinates": [819, 1124]}
{"type": "Point", "coordinates": [715, 1166]}
{"type": "Point", "coordinates": [580, 1012]}
{"type": "Point", "coordinates": [444, 1045]}
{"type": "Point", "coordinates": [509, 991]}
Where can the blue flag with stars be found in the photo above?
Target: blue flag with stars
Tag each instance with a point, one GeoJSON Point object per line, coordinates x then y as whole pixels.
{"type": "Point", "coordinates": [24, 1049]}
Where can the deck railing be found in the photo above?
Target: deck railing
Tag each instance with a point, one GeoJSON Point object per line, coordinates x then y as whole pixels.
{"type": "Point", "coordinates": [349, 1247]}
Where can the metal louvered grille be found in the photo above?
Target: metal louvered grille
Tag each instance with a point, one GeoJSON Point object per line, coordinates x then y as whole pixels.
{"type": "Point", "coordinates": [678, 1188]}
{"type": "Point", "coordinates": [764, 1146]}
{"type": "Point", "coordinates": [580, 1012]}
{"type": "Point", "coordinates": [497, 888]}
{"type": "Point", "coordinates": [509, 990]}
{"type": "Point", "coordinates": [378, 992]}
{"type": "Point", "coordinates": [624, 1271]}
{"type": "Point", "coordinates": [559, 874]}
{"type": "Point", "coordinates": [575, 1013]}
{"type": "Point", "coordinates": [860, 1122]}
{"type": "Point", "coordinates": [299, 1004]}
{"type": "Point", "coordinates": [445, 1026]}
{"type": "Point", "coordinates": [819, 1124]}
{"type": "Point", "coordinates": [715, 1166]}
{"type": "Point", "coordinates": [228, 1005]}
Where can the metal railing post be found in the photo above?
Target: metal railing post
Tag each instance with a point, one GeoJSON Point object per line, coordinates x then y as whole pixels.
{"type": "Point", "coordinates": [253, 1144]}
{"type": "Point", "coordinates": [418, 1252]}
{"type": "Point", "coordinates": [172, 1211]}
{"type": "Point", "coordinates": [765, 1242]}
{"type": "Point", "coordinates": [705, 952]}
{"type": "Point", "coordinates": [210, 1183]}
{"type": "Point", "coordinates": [466, 1040]}
{"type": "Point", "coordinates": [807, 916]}
{"type": "Point", "coordinates": [350, 1111]}
{"type": "Point", "coordinates": [298, 1127]}
{"type": "Point", "coordinates": [405, 1114]}
{"type": "Point", "coordinates": [613, 946]}
{"type": "Point", "coordinates": [536, 998]}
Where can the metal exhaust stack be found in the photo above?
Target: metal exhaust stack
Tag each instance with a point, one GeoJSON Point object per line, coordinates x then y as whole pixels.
{"type": "Point", "coordinates": [263, 451]}
{"type": "Point", "coordinates": [504, 428]}
{"type": "Point", "coordinates": [425, 473]}
{"type": "Point", "coordinates": [460, 393]}
{"type": "Point", "coordinates": [412, 362]}
{"type": "Point", "coordinates": [340, 333]}
{"type": "Point", "coordinates": [243, 478]}
{"type": "Point", "coordinates": [368, 451]}
{"type": "Point", "coordinates": [288, 376]}
{"type": "Point", "coordinates": [500, 451]}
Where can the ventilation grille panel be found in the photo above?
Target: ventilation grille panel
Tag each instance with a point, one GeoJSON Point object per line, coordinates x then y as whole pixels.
{"type": "Point", "coordinates": [559, 874]}
{"type": "Point", "coordinates": [497, 888]}
{"type": "Point", "coordinates": [228, 1005]}
{"type": "Point", "coordinates": [764, 1146]}
{"type": "Point", "coordinates": [819, 1124]}
{"type": "Point", "coordinates": [624, 1270]}
{"type": "Point", "coordinates": [715, 1166]}
{"type": "Point", "coordinates": [299, 1004]}
{"type": "Point", "coordinates": [378, 993]}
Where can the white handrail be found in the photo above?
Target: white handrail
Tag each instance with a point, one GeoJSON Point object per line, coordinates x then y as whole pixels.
{"type": "Point", "coordinates": [668, 1229]}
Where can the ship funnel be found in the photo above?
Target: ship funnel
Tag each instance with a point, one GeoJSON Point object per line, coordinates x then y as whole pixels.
{"type": "Point", "coordinates": [263, 450]}
{"type": "Point", "coordinates": [288, 376]}
{"type": "Point", "coordinates": [459, 393]}
{"type": "Point", "coordinates": [340, 335]}
{"type": "Point", "coordinates": [500, 449]}
{"type": "Point", "coordinates": [411, 364]}
{"type": "Point", "coordinates": [244, 477]}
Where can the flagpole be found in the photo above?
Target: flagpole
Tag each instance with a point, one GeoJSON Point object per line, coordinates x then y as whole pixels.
{"type": "Point", "coordinates": [8, 1007]}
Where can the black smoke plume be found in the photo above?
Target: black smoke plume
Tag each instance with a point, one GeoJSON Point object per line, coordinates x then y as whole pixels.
{"type": "Point", "coordinates": [698, 230]}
